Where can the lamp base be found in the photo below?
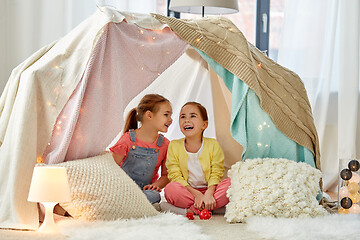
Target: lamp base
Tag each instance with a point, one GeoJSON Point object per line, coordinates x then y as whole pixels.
{"type": "Point", "coordinates": [49, 226]}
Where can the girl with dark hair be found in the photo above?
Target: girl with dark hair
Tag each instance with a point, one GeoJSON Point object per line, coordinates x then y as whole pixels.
{"type": "Point", "coordinates": [195, 166]}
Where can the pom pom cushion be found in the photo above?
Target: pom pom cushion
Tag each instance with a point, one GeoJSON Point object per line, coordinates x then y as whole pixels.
{"type": "Point", "coordinates": [272, 187]}
{"type": "Point", "coordinates": [101, 190]}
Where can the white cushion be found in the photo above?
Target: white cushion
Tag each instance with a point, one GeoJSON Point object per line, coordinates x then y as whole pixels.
{"type": "Point", "coordinates": [101, 190]}
{"type": "Point", "coordinates": [272, 187]}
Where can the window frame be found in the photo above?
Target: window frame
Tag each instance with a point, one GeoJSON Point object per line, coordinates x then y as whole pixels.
{"type": "Point", "coordinates": [262, 25]}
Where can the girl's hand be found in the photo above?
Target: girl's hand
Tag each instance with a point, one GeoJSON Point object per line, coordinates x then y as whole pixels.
{"type": "Point", "coordinates": [199, 201]}
{"type": "Point", "coordinates": [152, 187]}
{"type": "Point", "coordinates": [198, 197]}
{"type": "Point", "coordinates": [209, 201]}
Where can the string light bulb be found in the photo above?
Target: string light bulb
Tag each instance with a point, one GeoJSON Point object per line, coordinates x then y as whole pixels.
{"type": "Point", "coordinates": [353, 187]}
{"type": "Point", "coordinates": [39, 159]}
{"type": "Point", "coordinates": [343, 211]}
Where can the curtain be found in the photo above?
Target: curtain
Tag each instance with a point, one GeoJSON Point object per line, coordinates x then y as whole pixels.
{"type": "Point", "coordinates": [28, 25]}
{"type": "Point", "coordinates": [320, 42]}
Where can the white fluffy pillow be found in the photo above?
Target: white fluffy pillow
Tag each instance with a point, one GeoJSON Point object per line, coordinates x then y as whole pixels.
{"type": "Point", "coordinates": [101, 190]}
{"type": "Point", "coordinates": [272, 187]}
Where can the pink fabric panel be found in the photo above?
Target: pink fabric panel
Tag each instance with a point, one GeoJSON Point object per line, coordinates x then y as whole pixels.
{"type": "Point", "coordinates": [67, 119]}
{"type": "Point", "coordinates": [124, 62]}
{"type": "Point", "coordinates": [177, 195]}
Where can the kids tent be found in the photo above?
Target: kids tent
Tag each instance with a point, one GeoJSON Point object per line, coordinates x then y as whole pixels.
{"type": "Point", "coordinates": [68, 100]}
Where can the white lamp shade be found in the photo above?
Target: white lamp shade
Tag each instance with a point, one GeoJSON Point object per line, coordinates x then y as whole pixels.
{"type": "Point", "coordinates": [211, 7]}
{"type": "Point", "coordinates": [49, 184]}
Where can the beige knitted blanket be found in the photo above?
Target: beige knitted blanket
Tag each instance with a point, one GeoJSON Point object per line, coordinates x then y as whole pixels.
{"type": "Point", "coordinates": [281, 92]}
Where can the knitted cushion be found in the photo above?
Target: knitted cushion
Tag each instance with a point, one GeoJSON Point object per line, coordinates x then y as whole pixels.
{"type": "Point", "coordinates": [101, 190]}
{"type": "Point", "coordinates": [272, 187]}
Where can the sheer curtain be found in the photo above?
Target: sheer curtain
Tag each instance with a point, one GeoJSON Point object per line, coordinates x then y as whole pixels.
{"type": "Point", "coordinates": [321, 43]}
{"type": "Point", "coordinates": [28, 25]}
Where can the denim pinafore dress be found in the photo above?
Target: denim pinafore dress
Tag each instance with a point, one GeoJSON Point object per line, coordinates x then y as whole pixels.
{"type": "Point", "coordinates": [140, 164]}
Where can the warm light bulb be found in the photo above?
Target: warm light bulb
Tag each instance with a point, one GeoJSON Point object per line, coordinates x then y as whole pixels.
{"type": "Point", "coordinates": [353, 187]}
{"type": "Point", "coordinates": [39, 159]}
{"type": "Point", "coordinates": [343, 211]}
{"type": "Point", "coordinates": [355, 209]}
{"type": "Point", "coordinates": [355, 198]}
{"type": "Point", "coordinates": [197, 40]}
{"type": "Point", "coordinates": [355, 178]}
{"type": "Point", "coordinates": [344, 192]}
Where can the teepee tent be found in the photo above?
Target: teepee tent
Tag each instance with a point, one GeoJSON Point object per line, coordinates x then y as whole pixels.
{"type": "Point", "coordinates": [68, 100]}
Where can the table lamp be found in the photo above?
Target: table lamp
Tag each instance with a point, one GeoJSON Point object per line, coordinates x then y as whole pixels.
{"type": "Point", "coordinates": [49, 186]}
{"type": "Point", "coordinates": [208, 7]}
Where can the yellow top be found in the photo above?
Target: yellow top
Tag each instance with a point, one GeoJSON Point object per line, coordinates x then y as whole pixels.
{"type": "Point", "coordinates": [211, 160]}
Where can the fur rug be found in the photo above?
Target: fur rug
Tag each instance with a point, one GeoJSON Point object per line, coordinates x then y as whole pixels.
{"type": "Point", "coordinates": [334, 227]}
{"type": "Point", "coordinates": [163, 226]}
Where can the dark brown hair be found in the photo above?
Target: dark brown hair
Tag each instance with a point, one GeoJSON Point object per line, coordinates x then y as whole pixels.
{"type": "Point", "coordinates": [149, 102]}
{"type": "Point", "coordinates": [202, 109]}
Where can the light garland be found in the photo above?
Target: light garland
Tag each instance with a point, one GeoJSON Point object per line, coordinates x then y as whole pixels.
{"type": "Point", "coordinates": [149, 40]}
{"type": "Point", "coordinates": [349, 196]}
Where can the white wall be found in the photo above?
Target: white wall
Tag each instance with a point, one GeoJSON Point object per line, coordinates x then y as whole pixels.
{"type": "Point", "coordinates": [25, 30]}
{"type": "Point", "coordinates": [28, 25]}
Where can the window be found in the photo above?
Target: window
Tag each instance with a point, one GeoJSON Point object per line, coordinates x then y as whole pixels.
{"type": "Point", "coordinates": [276, 20]}
{"type": "Point", "coordinates": [259, 20]}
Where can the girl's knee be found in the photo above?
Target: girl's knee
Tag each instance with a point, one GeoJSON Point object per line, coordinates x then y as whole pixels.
{"type": "Point", "coordinates": [227, 181]}
{"type": "Point", "coordinates": [171, 190]}
{"type": "Point", "coordinates": [173, 187]}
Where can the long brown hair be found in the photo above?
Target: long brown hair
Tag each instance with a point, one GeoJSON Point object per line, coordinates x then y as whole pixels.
{"type": "Point", "coordinates": [149, 102]}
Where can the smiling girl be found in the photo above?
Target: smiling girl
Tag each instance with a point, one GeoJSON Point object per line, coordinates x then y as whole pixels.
{"type": "Point", "coordinates": [141, 151]}
{"type": "Point", "coordinates": [195, 166]}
